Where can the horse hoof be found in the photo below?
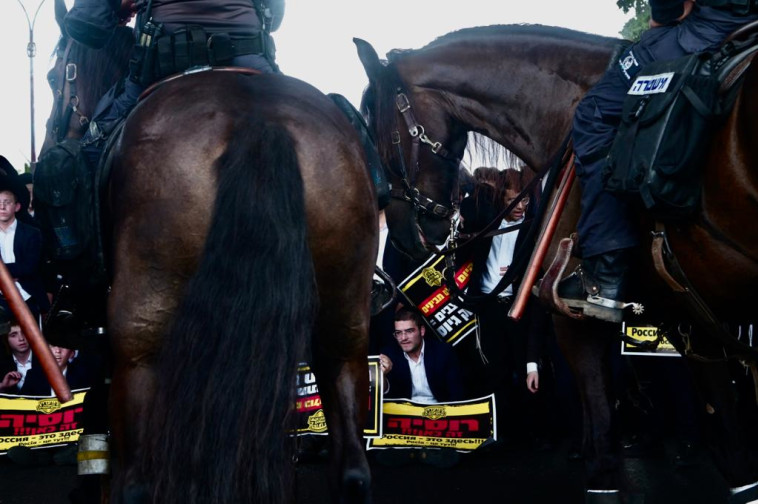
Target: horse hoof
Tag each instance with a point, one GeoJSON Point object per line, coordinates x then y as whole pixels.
{"type": "Point", "coordinates": [603, 497]}
{"type": "Point", "coordinates": [356, 486]}
{"type": "Point", "coordinates": [746, 495]}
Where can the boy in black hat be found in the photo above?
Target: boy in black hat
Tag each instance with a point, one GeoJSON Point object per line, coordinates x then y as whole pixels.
{"type": "Point", "coordinates": [20, 242]}
{"type": "Point", "coordinates": [62, 335]}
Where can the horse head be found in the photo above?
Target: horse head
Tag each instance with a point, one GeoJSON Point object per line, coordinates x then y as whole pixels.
{"type": "Point", "coordinates": [79, 77]}
{"type": "Point", "coordinates": [421, 150]}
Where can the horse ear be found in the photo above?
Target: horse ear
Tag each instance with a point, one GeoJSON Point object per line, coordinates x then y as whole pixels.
{"type": "Point", "coordinates": [369, 58]}
{"type": "Point", "coordinates": [60, 13]}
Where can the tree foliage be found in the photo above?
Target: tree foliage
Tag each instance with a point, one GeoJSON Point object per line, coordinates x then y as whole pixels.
{"type": "Point", "coordinates": [639, 23]}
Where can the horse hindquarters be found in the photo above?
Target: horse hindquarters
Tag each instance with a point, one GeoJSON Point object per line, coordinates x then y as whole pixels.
{"type": "Point", "coordinates": [226, 376]}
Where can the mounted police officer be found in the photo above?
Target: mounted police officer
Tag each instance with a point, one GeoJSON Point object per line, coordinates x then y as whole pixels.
{"type": "Point", "coordinates": [605, 230]}
{"type": "Point", "coordinates": [173, 36]}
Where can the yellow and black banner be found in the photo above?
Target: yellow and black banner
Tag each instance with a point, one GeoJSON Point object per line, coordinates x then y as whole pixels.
{"type": "Point", "coordinates": [646, 334]}
{"type": "Point", "coordinates": [444, 314]}
{"type": "Point", "coordinates": [461, 425]}
{"type": "Point", "coordinates": [39, 422]}
{"type": "Point", "coordinates": [310, 413]}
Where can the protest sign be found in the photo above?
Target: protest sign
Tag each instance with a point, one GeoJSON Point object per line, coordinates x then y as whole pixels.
{"type": "Point", "coordinates": [443, 313]}
{"type": "Point", "coordinates": [38, 422]}
{"type": "Point", "coordinates": [310, 413]}
{"type": "Point", "coordinates": [462, 425]}
{"type": "Point", "coordinates": [645, 334]}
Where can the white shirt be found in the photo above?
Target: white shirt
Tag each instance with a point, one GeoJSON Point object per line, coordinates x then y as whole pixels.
{"type": "Point", "coordinates": [6, 249]}
{"type": "Point", "coordinates": [498, 262]}
{"type": "Point", "coordinates": [23, 369]}
{"type": "Point", "coordinates": [420, 391]}
{"type": "Point", "coordinates": [500, 258]}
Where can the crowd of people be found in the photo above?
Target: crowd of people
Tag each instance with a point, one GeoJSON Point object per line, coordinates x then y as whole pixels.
{"type": "Point", "coordinates": [21, 248]}
{"type": "Point", "coordinates": [537, 403]}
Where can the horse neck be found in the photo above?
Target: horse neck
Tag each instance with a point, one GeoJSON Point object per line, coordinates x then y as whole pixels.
{"type": "Point", "coordinates": [519, 89]}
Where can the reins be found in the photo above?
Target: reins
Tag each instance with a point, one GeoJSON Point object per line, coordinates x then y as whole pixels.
{"type": "Point", "coordinates": [524, 253]}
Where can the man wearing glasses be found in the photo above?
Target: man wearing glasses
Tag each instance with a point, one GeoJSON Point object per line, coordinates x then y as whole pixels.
{"type": "Point", "coordinates": [421, 369]}
{"type": "Point", "coordinates": [504, 356]}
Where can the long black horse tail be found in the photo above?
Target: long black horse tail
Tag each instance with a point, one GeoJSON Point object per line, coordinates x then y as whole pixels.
{"type": "Point", "coordinates": [227, 372]}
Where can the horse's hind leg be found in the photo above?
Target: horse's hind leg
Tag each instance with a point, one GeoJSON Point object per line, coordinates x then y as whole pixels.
{"type": "Point", "coordinates": [585, 347]}
{"type": "Point", "coordinates": [128, 393]}
{"type": "Point", "coordinates": [138, 308]}
{"type": "Point", "coordinates": [343, 386]}
{"type": "Point", "coordinates": [340, 348]}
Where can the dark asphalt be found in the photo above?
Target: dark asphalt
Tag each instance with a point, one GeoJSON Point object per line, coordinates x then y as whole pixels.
{"type": "Point", "coordinates": [511, 477]}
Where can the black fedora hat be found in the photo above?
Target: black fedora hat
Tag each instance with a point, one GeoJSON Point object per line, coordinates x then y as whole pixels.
{"type": "Point", "coordinates": [11, 181]}
{"type": "Point", "coordinates": [63, 329]}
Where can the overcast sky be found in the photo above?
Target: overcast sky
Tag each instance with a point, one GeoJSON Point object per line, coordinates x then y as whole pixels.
{"type": "Point", "coordinates": [314, 44]}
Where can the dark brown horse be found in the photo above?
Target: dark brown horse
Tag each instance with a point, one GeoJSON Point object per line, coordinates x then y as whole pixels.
{"type": "Point", "coordinates": [519, 86]}
{"type": "Point", "coordinates": [243, 229]}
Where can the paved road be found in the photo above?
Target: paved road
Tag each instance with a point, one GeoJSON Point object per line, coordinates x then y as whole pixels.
{"type": "Point", "coordinates": [513, 477]}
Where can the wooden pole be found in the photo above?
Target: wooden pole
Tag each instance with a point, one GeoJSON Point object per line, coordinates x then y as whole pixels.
{"type": "Point", "coordinates": [543, 243]}
{"type": "Point", "coordinates": [42, 353]}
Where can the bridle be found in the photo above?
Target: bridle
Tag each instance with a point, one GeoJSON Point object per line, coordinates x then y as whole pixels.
{"type": "Point", "coordinates": [62, 112]}
{"type": "Point", "coordinates": [409, 192]}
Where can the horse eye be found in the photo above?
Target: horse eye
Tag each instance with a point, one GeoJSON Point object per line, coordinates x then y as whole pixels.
{"type": "Point", "coordinates": [51, 78]}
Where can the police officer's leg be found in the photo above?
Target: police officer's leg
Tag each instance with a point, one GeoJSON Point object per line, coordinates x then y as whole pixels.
{"type": "Point", "coordinates": [606, 231]}
{"type": "Point", "coordinates": [112, 108]}
{"type": "Point", "coordinates": [606, 228]}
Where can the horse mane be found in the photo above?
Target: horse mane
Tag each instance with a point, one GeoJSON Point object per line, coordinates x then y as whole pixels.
{"type": "Point", "coordinates": [500, 31]}
{"type": "Point", "coordinates": [379, 98]}
{"type": "Point", "coordinates": [102, 67]}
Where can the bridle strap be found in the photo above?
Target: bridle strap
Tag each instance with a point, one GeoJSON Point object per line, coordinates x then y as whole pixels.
{"type": "Point", "coordinates": [417, 131]}
{"type": "Point", "coordinates": [409, 193]}
{"type": "Point", "coordinates": [58, 123]}
{"type": "Point", "coordinates": [63, 116]}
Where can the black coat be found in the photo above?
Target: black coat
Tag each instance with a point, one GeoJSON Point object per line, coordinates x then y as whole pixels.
{"type": "Point", "coordinates": [477, 212]}
{"type": "Point", "coordinates": [27, 247]}
{"type": "Point", "coordinates": [443, 371]}
{"type": "Point", "coordinates": [79, 374]}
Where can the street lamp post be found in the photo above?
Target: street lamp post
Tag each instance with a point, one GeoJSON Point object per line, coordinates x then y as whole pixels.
{"type": "Point", "coordinates": [31, 51]}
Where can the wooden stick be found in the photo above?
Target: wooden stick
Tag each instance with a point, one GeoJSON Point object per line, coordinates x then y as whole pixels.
{"type": "Point", "coordinates": [543, 243]}
{"type": "Point", "coordinates": [41, 350]}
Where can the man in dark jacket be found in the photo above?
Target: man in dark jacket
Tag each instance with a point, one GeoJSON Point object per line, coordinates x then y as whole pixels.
{"type": "Point", "coordinates": [506, 353]}
{"type": "Point", "coordinates": [606, 232]}
{"type": "Point", "coordinates": [21, 248]}
{"type": "Point", "coordinates": [422, 369]}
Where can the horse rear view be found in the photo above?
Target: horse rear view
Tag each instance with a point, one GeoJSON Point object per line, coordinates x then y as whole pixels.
{"type": "Point", "coordinates": [243, 242]}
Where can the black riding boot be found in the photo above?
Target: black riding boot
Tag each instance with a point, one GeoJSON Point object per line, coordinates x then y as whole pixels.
{"type": "Point", "coordinates": [598, 286]}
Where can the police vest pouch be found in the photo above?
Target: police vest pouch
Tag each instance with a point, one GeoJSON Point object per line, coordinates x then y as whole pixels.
{"type": "Point", "coordinates": [64, 200]}
{"type": "Point", "coordinates": [659, 150]}
{"type": "Point", "coordinates": [193, 46]}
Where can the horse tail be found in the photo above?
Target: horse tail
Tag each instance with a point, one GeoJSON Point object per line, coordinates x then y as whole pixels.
{"type": "Point", "coordinates": [226, 376]}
